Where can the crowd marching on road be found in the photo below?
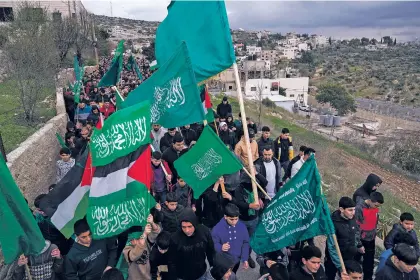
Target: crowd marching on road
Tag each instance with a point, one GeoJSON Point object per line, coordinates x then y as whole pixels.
{"type": "Point", "coordinates": [209, 237]}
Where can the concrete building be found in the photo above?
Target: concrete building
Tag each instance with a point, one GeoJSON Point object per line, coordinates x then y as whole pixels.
{"type": "Point", "coordinates": [289, 52]}
{"type": "Point", "coordinates": [296, 90]}
{"type": "Point", "coordinates": [251, 50]}
{"type": "Point", "coordinates": [271, 55]}
{"type": "Point", "coordinates": [319, 41]}
{"type": "Point", "coordinates": [58, 9]}
{"type": "Point", "coordinates": [303, 47]}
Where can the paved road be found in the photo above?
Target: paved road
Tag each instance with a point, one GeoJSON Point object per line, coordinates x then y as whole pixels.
{"type": "Point", "coordinates": [250, 274]}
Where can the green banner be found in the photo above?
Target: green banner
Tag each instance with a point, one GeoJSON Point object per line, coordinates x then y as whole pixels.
{"type": "Point", "coordinates": [297, 212]}
{"type": "Point", "coordinates": [204, 26]}
{"type": "Point", "coordinates": [172, 92]}
{"type": "Point", "coordinates": [122, 133]}
{"type": "Point", "coordinates": [19, 233]}
{"type": "Point", "coordinates": [206, 161]}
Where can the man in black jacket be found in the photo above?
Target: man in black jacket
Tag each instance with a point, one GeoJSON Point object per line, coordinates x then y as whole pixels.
{"type": "Point", "coordinates": [400, 265]}
{"type": "Point", "coordinates": [171, 154]}
{"type": "Point", "coordinates": [166, 140]}
{"type": "Point", "coordinates": [224, 108]}
{"type": "Point", "coordinates": [270, 168]}
{"type": "Point", "coordinates": [171, 212]}
{"type": "Point", "coordinates": [283, 149]}
{"type": "Point", "coordinates": [288, 174]}
{"type": "Point", "coordinates": [88, 259]}
{"type": "Point", "coordinates": [311, 269]}
{"type": "Point", "coordinates": [348, 236]}
{"type": "Point", "coordinates": [265, 141]}
{"type": "Point", "coordinates": [248, 207]}
{"type": "Point", "coordinates": [159, 256]}
{"type": "Point", "coordinates": [189, 134]}
{"type": "Point", "coordinates": [371, 184]}
{"type": "Point", "coordinates": [189, 248]}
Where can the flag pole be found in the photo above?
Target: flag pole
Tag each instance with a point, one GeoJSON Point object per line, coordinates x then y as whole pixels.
{"type": "Point", "coordinates": [255, 181]}
{"type": "Point", "coordinates": [245, 129]}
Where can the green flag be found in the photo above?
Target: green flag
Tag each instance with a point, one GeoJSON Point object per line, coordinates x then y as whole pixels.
{"type": "Point", "coordinates": [60, 140]}
{"type": "Point", "coordinates": [132, 65]}
{"type": "Point", "coordinates": [119, 100]}
{"type": "Point", "coordinates": [297, 212]}
{"type": "Point", "coordinates": [206, 161]}
{"type": "Point", "coordinates": [172, 91]}
{"type": "Point", "coordinates": [19, 233]}
{"type": "Point", "coordinates": [76, 67]}
{"type": "Point", "coordinates": [113, 75]}
{"type": "Point", "coordinates": [204, 26]}
{"type": "Point", "coordinates": [119, 51]}
{"type": "Point", "coordinates": [122, 133]}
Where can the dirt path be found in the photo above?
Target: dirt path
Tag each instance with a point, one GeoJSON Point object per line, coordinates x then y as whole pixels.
{"type": "Point", "coordinates": [398, 185]}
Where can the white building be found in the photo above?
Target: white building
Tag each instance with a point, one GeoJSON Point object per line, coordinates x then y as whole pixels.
{"type": "Point", "coordinates": [303, 47]}
{"type": "Point", "coordinates": [289, 53]}
{"type": "Point", "coordinates": [319, 40]}
{"type": "Point", "coordinates": [293, 41]}
{"type": "Point", "coordinates": [296, 90]}
{"type": "Point", "coordinates": [251, 50]}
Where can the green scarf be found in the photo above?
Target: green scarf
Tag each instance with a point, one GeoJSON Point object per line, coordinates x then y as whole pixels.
{"type": "Point", "coordinates": [251, 212]}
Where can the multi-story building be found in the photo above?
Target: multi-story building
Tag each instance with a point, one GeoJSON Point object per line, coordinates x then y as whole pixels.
{"type": "Point", "coordinates": [58, 9]}
{"type": "Point", "coordinates": [251, 50]}
{"type": "Point", "coordinates": [270, 55]}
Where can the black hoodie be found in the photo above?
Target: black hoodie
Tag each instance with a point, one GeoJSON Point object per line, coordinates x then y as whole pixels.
{"type": "Point", "coordinates": [187, 254]}
{"type": "Point", "coordinates": [366, 189]}
{"type": "Point", "coordinates": [89, 263]}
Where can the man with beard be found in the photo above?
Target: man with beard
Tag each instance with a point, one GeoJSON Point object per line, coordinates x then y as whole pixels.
{"type": "Point", "coordinates": [270, 168]}
{"type": "Point", "coordinates": [157, 132]}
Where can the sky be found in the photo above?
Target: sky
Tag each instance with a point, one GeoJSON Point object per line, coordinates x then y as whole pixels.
{"type": "Point", "coordinates": [339, 19]}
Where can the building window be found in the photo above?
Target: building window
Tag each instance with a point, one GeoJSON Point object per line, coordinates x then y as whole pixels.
{"type": "Point", "coordinates": [6, 14]}
{"type": "Point", "coordinates": [253, 88]}
{"type": "Point", "coordinates": [56, 16]}
{"type": "Point", "coordinates": [292, 95]}
{"type": "Point", "coordinates": [230, 87]}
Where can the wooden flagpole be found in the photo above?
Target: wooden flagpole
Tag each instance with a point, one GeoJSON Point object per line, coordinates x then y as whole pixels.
{"type": "Point", "coordinates": [255, 181]}
{"type": "Point", "coordinates": [245, 129]}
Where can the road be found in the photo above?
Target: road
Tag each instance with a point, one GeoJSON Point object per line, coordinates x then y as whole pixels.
{"type": "Point", "coordinates": [249, 274]}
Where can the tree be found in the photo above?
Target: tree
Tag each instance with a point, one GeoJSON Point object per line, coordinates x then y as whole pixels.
{"type": "Point", "coordinates": [330, 41]}
{"type": "Point", "coordinates": [337, 96]}
{"type": "Point", "coordinates": [65, 35]}
{"type": "Point", "coordinates": [307, 57]}
{"type": "Point", "coordinates": [84, 34]}
{"type": "Point", "coordinates": [31, 56]}
{"type": "Point", "coordinates": [387, 40]}
{"type": "Point", "coordinates": [395, 41]}
{"type": "Point", "coordinates": [354, 42]}
{"type": "Point", "coordinates": [282, 91]}
{"type": "Point", "coordinates": [149, 52]}
{"type": "Point", "coordinates": [373, 41]}
{"type": "Point", "coordinates": [365, 41]}
{"type": "Point", "coordinates": [259, 98]}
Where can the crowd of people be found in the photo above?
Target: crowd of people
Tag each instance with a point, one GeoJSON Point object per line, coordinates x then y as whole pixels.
{"type": "Point", "coordinates": [209, 237]}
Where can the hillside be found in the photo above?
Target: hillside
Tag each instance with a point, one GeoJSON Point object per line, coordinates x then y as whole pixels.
{"type": "Point", "coordinates": [391, 74]}
{"type": "Point", "coordinates": [343, 167]}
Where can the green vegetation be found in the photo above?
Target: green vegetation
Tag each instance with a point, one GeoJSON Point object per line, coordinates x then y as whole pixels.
{"type": "Point", "coordinates": [13, 128]}
{"type": "Point", "coordinates": [337, 96]}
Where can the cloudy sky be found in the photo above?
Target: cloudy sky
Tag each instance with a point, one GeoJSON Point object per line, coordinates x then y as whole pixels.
{"type": "Point", "coordinates": [338, 19]}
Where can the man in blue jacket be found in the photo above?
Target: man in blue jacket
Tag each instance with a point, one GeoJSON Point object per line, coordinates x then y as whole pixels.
{"type": "Point", "coordinates": [230, 236]}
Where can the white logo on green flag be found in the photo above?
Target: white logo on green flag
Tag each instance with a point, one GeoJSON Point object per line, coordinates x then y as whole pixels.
{"type": "Point", "coordinates": [120, 136]}
{"type": "Point", "coordinates": [171, 95]}
{"type": "Point", "coordinates": [113, 219]}
{"type": "Point", "coordinates": [206, 164]}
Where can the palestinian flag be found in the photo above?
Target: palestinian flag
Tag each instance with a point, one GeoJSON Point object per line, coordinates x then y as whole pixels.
{"type": "Point", "coordinates": [119, 196]}
{"type": "Point", "coordinates": [207, 106]}
{"type": "Point", "coordinates": [68, 201]}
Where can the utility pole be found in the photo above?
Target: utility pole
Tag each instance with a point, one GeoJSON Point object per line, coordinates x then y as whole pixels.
{"type": "Point", "coordinates": [110, 3]}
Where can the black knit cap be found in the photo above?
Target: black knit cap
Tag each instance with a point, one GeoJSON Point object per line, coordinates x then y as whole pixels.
{"type": "Point", "coordinates": [346, 202]}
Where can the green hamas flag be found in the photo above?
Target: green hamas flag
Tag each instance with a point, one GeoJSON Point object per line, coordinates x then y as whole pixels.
{"type": "Point", "coordinates": [122, 133]}
{"type": "Point", "coordinates": [119, 50]}
{"type": "Point", "coordinates": [132, 65]}
{"type": "Point", "coordinates": [19, 233]}
{"type": "Point", "coordinates": [60, 140]}
{"type": "Point", "coordinates": [297, 212]}
{"type": "Point", "coordinates": [204, 26]}
{"type": "Point", "coordinates": [172, 92]}
{"type": "Point", "coordinates": [113, 75]}
{"type": "Point", "coordinates": [206, 161]}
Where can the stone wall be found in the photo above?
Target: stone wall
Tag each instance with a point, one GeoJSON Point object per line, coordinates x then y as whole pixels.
{"type": "Point", "coordinates": [32, 164]}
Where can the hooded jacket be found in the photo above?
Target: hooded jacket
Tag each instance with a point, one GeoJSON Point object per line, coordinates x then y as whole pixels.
{"type": "Point", "coordinates": [348, 236]}
{"type": "Point", "coordinates": [221, 265]}
{"type": "Point", "coordinates": [367, 218]}
{"type": "Point", "coordinates": [89, 263]}
{"type": "Point", "coordinates": [389, 239]}
{"type": "Point", "coordinates": [366, 189]}
{"type": "Point", "coordinates": [185, 195]}
{"type": "Point", "coordinates": [228, 138]}
{"type": "Point", "coordinates": [279, 256]}
{"type": "Point", "coordinates": [83, 114]}
{"type": "Point", "coordinates": [391, 272]}
{"type": "Point", "coordinates": [166, 141]}
{"type": "Point", "coordinates": [230, 124]}
{"type": "Point", "coordinates": [171, 219]}
{"type": "Point", "coordinates": [283, 149]}
{"type": "Point", "coordinates": [187, 254]}
{"type": "Point", "coordinates": [224, 109]}
{"type": "Point", "coordinates": [41, 266]}
{"type": "Point", "coordinates": [94, 118]}
{"type": "Point", "coordinates": [242, 196]}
